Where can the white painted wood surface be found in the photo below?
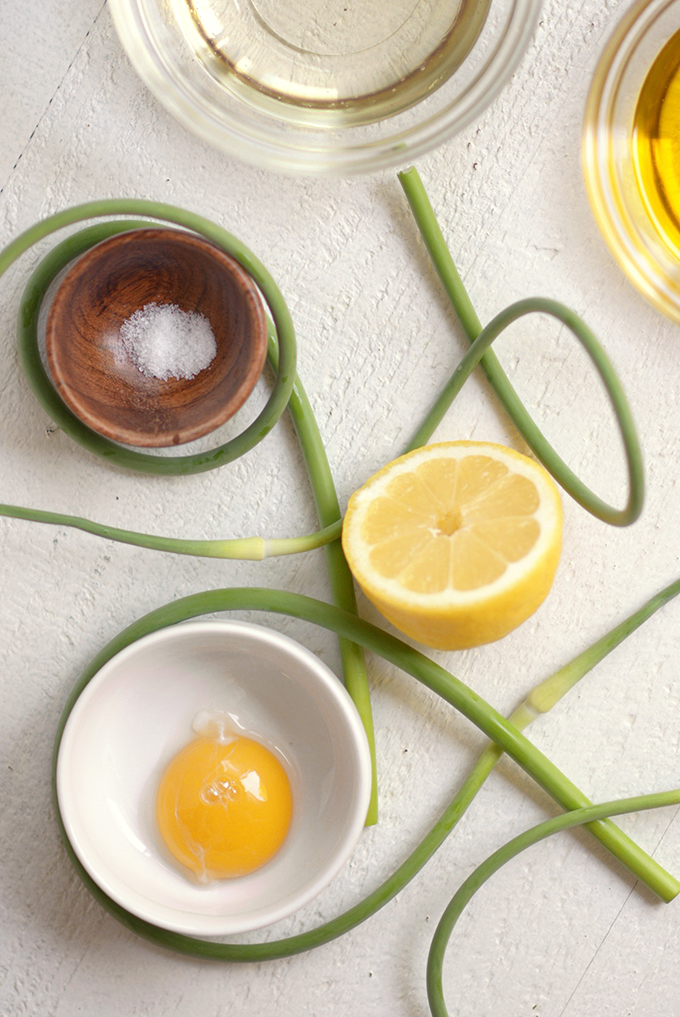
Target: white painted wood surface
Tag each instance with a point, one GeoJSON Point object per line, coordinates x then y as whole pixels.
{"type": "Point", "coordinates": [562, 932]}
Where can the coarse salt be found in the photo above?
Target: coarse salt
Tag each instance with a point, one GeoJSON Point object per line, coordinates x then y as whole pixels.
{"type": "Point", "coordinates": [163, 341]}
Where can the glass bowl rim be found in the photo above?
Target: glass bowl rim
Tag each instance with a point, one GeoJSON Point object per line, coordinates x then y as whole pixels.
{"type": "Point", "coordinates": [610, 209]}
{"type": "Point", "coordinates": [394, 149]}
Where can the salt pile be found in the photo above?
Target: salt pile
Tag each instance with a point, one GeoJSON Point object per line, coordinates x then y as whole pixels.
{"type": "Point", "coordinates": [163, 341]}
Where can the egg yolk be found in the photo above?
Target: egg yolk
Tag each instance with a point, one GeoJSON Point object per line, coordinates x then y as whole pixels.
{"type": "Point", "coordinates": [224, 809]}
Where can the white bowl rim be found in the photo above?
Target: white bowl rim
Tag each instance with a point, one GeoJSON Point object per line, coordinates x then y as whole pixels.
{"type": "Point", "coordinates": [204, 924]}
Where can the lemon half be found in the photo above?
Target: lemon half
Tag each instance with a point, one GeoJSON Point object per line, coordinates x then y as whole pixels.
{"type": "Point", "coordinates": [455, 543]}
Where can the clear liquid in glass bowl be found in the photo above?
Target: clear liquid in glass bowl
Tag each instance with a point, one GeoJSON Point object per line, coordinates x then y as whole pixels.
{"type": "Point", "coordinates": [325, 87]}
{"type": "Point", "coordinates": [330, 63]}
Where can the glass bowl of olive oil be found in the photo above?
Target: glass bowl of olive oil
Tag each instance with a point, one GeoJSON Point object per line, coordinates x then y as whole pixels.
{"type": "Point", "coordinates": [325, 87]}
{"type": "Point", "coordinates": [631, 149]}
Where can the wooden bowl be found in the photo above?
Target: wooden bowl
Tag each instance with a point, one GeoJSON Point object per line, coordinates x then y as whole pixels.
{"type": "Point", "coordinates": [96, 376]}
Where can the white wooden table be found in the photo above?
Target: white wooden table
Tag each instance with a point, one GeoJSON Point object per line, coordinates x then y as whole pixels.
{"type": "Point", "coordinates": [562, 932]}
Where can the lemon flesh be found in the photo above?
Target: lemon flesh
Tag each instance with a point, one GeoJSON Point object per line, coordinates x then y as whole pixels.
{"type": "Point", "coordinates": [456, 543]}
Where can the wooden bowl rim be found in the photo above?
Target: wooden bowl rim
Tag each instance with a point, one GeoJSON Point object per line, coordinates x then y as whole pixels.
{"type": "Point", "coordinates": [179, 435]}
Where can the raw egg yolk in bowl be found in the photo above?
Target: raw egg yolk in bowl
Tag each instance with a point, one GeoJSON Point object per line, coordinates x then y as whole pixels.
{"type": "Point", "coordinates": [224, 807]}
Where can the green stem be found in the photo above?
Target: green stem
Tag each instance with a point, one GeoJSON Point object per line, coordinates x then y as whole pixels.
{"type": "Point", "coordinates": [244, 548]}
{"type": "Point", "coordinates": [303, 419]}
{"type": "Point", "coordinates": [282, 356]}
{"type": "Point", "coordinates": [341, 581]}
{"type": "Point", "coordinates": [429, 673]}
{"type": "Point", "coordinates": [547, 693]}
{"type": "Point", "coordinates": [480, 353]}
{"type": "Point", "coordinates": [566, 821]}
{"type": "Point", "coordinates": [550, 691]}
{"type": "Point", "coordinates": [60, 256]}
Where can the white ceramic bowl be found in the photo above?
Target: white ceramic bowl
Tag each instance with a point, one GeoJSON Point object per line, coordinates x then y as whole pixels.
{"type": "Point", "coordinates": [137, 712]}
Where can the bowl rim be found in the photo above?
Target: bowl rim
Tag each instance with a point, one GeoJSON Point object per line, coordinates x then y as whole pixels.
{"type": "Point", "coordinates": [192, 923]}
{"type": "Point", "coordinates": [395, 149]}
{"type": "Point", "coordinates": [607, 202]}
{"type": "Point", "coordinates": [55, 353]}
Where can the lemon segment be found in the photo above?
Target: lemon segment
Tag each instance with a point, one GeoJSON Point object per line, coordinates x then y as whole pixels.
{"type": "Point", "coordinates": [456, 543]}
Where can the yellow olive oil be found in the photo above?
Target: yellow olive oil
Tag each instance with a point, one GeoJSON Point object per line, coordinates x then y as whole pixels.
{"type": "Point", "coordinates": [656, 143]}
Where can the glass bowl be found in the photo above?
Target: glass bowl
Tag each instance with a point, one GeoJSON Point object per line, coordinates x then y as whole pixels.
{"type": "Point", "coordinates": [610, 162]}
{"type": "Point", "coordinates": [344, 87]}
